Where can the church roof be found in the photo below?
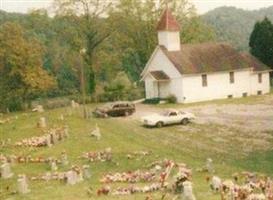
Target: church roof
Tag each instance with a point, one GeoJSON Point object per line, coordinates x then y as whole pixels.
{"type": "Point", "coordinates": [167, 22]}
{"type": "Point", "coordinates": [160, 75]}
{"type": "Point", "coordinates": [211, 57]}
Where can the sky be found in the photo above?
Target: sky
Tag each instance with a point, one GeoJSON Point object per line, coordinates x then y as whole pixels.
{"type": "Point", "coordinates": [202, 6]}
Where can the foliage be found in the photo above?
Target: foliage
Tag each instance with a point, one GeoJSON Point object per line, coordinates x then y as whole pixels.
{"type": "Point", "coordinates": [261, 42]}
{"type": "Point", "coordinates": [171, 99]}
{"type": "Point", "coordinates": [119, 88]}
{"type": "Point", "coordinates": [22, 74]}
{"type": "Point", "coordinates": [103, 39]}
{"type": "Point", "coordinates": [235, 25]}
{"type": "Point", "coordinates": [152, 100]}
{"type": "Point", "coordinates": [136, 37]}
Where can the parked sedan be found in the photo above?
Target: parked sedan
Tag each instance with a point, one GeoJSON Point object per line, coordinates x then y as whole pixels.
{"type": "Point", "coordinates": [167, 118]}
{"type": "Point", "coordinates": [121, 108]}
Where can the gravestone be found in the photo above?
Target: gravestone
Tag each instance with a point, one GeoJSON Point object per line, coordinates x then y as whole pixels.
{"type": "Point", "coordinates": [96, 133]}
{"type": "Point", "coordinates": [61, 117]}
{"type": "Point", "coordinates": [6, 171]}
{"type": "Point", "coordinates": [187, 191]}
{"type": "Point", "coordinates": [53, 166]}
{"type": "Point", "coordinates": [71, 177]}
{"type": "Point", "coordinates": [78, 173]}
{"type": "Point", "coordinates": [47, 176]}
{"type": "Point", "coordinates": [54, 137]}
{"type": "Point", "coordinates": [12, 159]}
{"type": "Point", "coordinates": [22, 185]}
{"type": "Point", "coordinates": [74, 104]}
{"type": "Point", "coordinates": [48, 140]}
{"type": "Point", "coordinates": [66, 133]}
{"type": "Point", "coordinates": [64, 159]}
{"type": "Point", "coordinates": [40, 108]}
{"type": "Point", "coordinates": [86, 172]}
{"type": "Point", "coordinates": [209, 165]}
{"type": "Point", "coordinates": [42, 122]}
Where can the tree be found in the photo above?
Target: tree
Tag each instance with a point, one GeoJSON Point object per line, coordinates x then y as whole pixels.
{"type": "Point", "coordinates": [261, 42]}
{"type": "Point", "coordinates": [119, 87]}
{"type": "Point", "coordinates": [22, 73]}
{"type": "Point", "coordinates": [136, 37]}
{"type": "Point", "coordinates": [91, 28]}
{"type": "Point", "coordinates": [90, 25]}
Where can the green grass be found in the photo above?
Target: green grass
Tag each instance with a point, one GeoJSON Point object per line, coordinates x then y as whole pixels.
{"type": "Point", "coordinates": [254, 99]}
{"type": "Point", "coordinates": [125, 136]}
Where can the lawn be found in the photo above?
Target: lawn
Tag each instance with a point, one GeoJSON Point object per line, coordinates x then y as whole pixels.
{"type": "Point", "coordinates": [230, 152]}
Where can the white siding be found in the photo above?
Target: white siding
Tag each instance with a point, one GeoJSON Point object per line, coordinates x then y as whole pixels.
{"type": "Point", "coordinates": [264, 86]}
{"type": "Point", "coordinates": [174, 86]}
{"type": "Point", "coordinates": [150, 87]}
{"type": "Point", "coordinates": [219, 86]}
{"type": "Point", "coordinates": [188, 88]}
{"type": "Point", "coordinates": [171, 40]}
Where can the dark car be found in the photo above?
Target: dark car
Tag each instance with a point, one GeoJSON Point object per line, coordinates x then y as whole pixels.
{"type": "Point", "coordinates": [115, 109]}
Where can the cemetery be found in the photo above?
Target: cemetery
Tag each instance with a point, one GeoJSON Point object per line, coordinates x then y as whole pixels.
{"type": "Point", "coordinates": [129, 161]}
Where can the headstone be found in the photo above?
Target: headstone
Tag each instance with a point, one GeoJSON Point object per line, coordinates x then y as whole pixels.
{"type": "Point", "coordinates": [53, 166]}
{"type": "Point", "coordinates": [47, 176]}
{"type": "Point", "coordinates": [86, 172]}
{"type": "Point", "coordinates": [6, 171]}
{"type": "Point", "coordinates": [12, 159]}
{"type": "Point", "coordinates": [22, 185]}
{"type": "Point", "coordinates": [78, 174]}
{"type": "Point", "coordinates": [66, 133]}
{"type": "Point", "coordinates": [71, 177]}
{"type": "Point", "coordinates": [62, 117]}
{"type": "Point", "coordinates": [209, 165]}
{"type": "Point", "coordinates": [42, 122]}
{"type": "Point", "coordinates": [187, 191]}
{"type": "Point", "coordinates": [64, 159]}
{"type": "Point", "coordinates": [96, 133]}
{"type": "Point", "coordinates": [54, 137]}
{"type": "Point", "coordinates": [216, 183]}
{"type": "Point", "coordinates": [108, 154]}
{"type": "Point", "coordinates": [48, 140]}
{"type": "Point", "coordinates": [74, 104]}
{"type": "Point", "coordinates": [40, 108]}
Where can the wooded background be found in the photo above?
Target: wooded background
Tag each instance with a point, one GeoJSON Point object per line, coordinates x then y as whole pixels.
{"type": "Point", "coordinates": [109, 42]}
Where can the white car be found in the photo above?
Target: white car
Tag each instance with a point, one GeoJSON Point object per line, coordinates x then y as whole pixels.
{"type": "Point", "coordinates": [167, 118]}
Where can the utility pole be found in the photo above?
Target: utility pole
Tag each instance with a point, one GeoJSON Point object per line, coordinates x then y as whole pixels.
{"type": "Point", "coordinates": [83, 88]}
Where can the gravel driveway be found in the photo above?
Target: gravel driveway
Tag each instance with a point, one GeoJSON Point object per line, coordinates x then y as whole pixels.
{"type": "Point", "coordinates": [248, 117]}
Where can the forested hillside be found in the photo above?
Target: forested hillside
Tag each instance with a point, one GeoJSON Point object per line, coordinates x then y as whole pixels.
{"type": "Point", "coordinates": [109, 53]}
{"type": "Point", "coordinates": [235, 25]}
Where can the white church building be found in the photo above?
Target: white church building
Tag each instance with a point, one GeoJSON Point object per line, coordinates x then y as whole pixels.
{"type": "Point", "coordinates": [200, 72]}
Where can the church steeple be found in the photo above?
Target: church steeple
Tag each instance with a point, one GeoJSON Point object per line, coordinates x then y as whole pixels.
{"type": "Point", "coordinates": [168, 31]}
{"type": "Point", "coordinates": [168, 22]}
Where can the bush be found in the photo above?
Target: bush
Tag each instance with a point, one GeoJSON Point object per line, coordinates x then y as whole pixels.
{"type": "Point", "coordinates": [171, 99]}
{"type": "Point", "coordinates": [152, 101]}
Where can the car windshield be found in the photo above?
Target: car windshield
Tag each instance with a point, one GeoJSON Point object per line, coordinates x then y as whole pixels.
{"type": "Point", "coordinates": [107, 105]}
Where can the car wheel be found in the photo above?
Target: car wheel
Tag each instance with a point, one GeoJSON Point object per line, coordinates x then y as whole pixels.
{"type": "Point", "coordinates": [185, 121]}
{"type": "Point", "coordinates": [159, 124]}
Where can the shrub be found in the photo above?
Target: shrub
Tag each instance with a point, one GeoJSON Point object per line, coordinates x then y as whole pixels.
{"type": "Point", "coordinates": [171, 99]}
{"type": "Point", "coordinates": [152, 100]}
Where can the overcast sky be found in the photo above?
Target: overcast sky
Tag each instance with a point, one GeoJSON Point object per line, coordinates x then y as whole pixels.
{"type": "Point", "coordinates": [202, 5]}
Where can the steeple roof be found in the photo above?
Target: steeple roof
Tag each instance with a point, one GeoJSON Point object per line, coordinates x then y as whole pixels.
{"type": "Point", "coordinates": [168, 22]}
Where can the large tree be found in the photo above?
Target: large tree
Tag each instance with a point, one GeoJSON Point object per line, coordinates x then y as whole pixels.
{"type": "Point", "coordinates": [261, 42]}
{"type": "Point", "coordinates": [21, 67]}
{"type": "Point", "coordinates": [88, 15]}
{"type": "Point", "coordinates": [136, 36]}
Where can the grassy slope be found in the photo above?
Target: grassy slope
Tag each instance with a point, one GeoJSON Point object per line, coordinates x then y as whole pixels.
{"type": "Point", "coordinates": [125, 136]}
